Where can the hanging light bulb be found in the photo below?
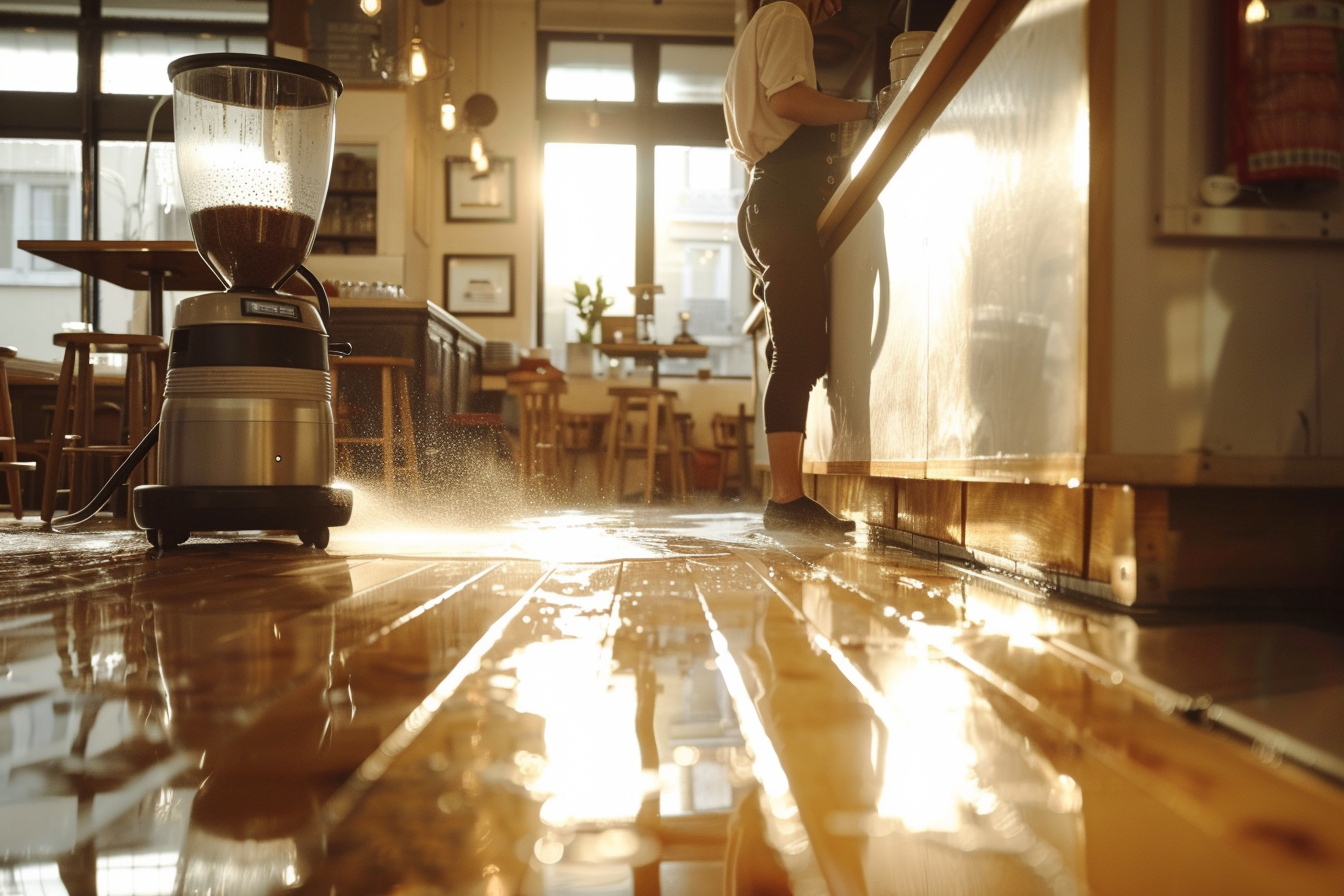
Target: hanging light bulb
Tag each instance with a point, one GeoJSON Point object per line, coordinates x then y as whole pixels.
{"type": "Point", "coordinates": [370, 7]}
{"type": "Point", "coordinates": [418, 67]}
{"type": "Point", "coordinates": [418, 61]}
{"type": "Point", "coordinates": [480, 160]}
{"type": "Point", "coordinates": [447, 112]}
{"type": "Point", "coordinates": [1256, 12]}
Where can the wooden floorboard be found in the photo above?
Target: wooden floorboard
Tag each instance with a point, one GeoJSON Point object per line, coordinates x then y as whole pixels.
{"type": "Point", "coordinates": [631, 703]}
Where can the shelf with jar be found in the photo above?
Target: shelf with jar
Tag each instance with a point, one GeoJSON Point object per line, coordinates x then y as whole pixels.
{"type": "Point", "coordinates": [349, 223]}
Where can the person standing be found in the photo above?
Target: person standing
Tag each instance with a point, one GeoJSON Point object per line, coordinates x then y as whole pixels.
{"type": "Point", "coordinates": [785, 131]}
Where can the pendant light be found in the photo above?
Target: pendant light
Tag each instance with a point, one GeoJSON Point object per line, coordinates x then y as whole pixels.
{"type": "Point", "coordinates": [447, 113]}
{"type": "Point", "coordinates": [370, 8]}
{"type": "Point", "coordinates": [418, 61]}
{"type": "Point", "coordinates": [479, 110]}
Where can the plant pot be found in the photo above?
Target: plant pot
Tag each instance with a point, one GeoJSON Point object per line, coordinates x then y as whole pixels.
{"type": "Point", "coordinates": [579, 359]}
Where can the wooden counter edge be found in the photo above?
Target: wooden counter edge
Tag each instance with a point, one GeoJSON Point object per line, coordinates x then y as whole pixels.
{"type": "Point", "coordinates": [872, 167]}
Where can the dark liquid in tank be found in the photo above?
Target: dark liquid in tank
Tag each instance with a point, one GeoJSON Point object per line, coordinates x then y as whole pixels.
{"type": "Point", "coordinates": [255, 246]}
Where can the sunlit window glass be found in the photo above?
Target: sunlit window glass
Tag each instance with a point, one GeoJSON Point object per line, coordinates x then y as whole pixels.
{"type": "Point", "coordinates": [191, 10]}
{"type": "Point", "coordinates": [39, 200]}
{"type": "Point", "coordinates": [697, 259]}
{"type": "Point", "coordinates": [138, 63]}
{"type": "Point", "coordinates": [137, 202]}
{"type": "Point", "coordinates": [692, 73]}
{"type": "Point", "coordinates": [42, 61]}
{"type": "Point", "coordinates": [590, 70]}
{"type": "Point", "coordinates": [589, 230]}
{"type": "Point", "coordinates": [42, 7]}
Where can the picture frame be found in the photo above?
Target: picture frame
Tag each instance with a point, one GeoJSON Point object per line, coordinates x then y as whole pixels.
{"type": "Point", "coordinates": [477, 197]}
{"type": "Point", "coordinates": [478, 285]}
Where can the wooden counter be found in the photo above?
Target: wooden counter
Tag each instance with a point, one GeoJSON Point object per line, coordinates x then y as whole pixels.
{"type": "Point", "coordinates": [447, 352]}
{"type": "Point", "coordinates": [1028, 364]}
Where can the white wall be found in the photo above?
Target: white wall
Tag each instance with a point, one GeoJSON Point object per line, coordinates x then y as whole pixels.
{"type": "Point", "coordinates": [505, 69]}
{"type": "Point", "coordinates": [1226, 347]}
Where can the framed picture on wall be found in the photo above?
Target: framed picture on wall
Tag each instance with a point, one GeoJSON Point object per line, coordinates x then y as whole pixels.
{"type": "Point", "coordinates": [473, 196]}
{"type": "Point", "coordinates": [478, 284]}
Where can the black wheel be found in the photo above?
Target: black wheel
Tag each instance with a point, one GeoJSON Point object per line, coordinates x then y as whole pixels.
{"type": "Point", "coordinates": [317, 538]}
{"type": "Point", "coordinates": [154, 537]}
{"type": "Point", "coordinates": [171, 538]}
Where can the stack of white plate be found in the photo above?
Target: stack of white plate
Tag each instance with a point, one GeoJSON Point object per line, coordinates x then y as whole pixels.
{"type": "Point", "coordinates": [499, 357]}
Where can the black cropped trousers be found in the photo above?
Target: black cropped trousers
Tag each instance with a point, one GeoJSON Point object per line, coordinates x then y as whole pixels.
{"type": "Point", "coordinates": [777, 225]}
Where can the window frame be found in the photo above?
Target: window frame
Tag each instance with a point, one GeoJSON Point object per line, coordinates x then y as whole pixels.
{"type": "Point", "coordinates": [646, 123]}
{"type": "Point", "coordinates": [90, 116]}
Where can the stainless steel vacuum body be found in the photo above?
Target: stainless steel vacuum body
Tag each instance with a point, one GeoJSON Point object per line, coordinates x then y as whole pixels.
{"type": "Point", "coordinates": [246, 436]}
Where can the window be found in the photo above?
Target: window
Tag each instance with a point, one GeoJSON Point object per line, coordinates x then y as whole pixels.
{"type": "Point", "coordinates": [644, 191]}
{"type": "Point", "coordinates": [138, 63]}
{"type": "Point", "coordinates": [39, 200]}
{"type": "Point", "coordinates": [589, 230]}
{"type": "Point", "coordinates": [697, 257]}
{"type": "Point", "coordinates": [188, 10]}
{"type": "Point", "coordinates": [692, 73]}
{"type": "Point", "coordinates": [590, 70]}
{"type": "Point", "coordinates": [45, 144]}
{"type": "Point", "coordinates": [38, 60]}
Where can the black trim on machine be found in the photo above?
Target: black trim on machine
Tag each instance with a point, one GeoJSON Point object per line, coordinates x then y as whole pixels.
{"type": "Point", "coordinates": [248, 345]}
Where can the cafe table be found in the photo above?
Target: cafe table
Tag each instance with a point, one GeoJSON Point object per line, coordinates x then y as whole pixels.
{"type": "Point", "coordinates": [150, 265]}
{"type": "Point", "coordinates": [651, 353]}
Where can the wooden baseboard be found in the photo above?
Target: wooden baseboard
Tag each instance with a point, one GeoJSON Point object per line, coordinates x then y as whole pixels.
{"type": "Point", "coordinates": [1202, 469]}
{"type": "Point", "coordinates": [1138, 546]}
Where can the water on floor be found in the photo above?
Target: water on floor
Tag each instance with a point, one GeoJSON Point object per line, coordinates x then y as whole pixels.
{"type": "Point", "coordinates": [636, 702]}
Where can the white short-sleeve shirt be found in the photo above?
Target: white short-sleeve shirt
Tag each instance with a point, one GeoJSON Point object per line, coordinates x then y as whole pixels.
{"type": "Point", "coordinates": [773, 54]}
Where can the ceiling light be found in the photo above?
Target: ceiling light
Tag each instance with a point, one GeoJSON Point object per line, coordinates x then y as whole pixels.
{"type": "Point", "coordinates": [370, 7]}
{"type": "Point", "coordinates": [447, 112]}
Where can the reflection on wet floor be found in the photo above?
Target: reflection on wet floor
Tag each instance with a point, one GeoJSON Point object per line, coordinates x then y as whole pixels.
{"type": "Point", "coordinates": [638, 703]}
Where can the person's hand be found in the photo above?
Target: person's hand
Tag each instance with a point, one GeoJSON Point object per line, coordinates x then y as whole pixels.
{"type": "Point", "coordinates": [819, 11]}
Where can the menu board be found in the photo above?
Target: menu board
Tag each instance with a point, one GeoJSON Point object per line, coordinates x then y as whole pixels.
{"type": "Point", "coordinates": [360, 49]}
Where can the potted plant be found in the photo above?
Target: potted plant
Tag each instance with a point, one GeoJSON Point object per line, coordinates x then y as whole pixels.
{"type": "Point", "coordinates": [590, 304]}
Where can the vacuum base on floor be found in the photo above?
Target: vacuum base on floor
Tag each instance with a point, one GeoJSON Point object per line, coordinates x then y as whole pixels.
{"type": "Point", "coordinates": [209, 508]}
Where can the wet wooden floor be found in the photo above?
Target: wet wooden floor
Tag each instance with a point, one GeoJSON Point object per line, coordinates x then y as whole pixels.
{"type": "Point", "coordinates": [638, 703]}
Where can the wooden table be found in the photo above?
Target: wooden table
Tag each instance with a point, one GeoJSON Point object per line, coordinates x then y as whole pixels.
{"type": "Point", "coordinates": [653, 352]}
{"type": "Point", "coordinates": [139, 265]}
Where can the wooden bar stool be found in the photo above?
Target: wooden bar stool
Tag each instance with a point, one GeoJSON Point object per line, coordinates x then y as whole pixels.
{"type": "Point", "coordinates": [71, 442]}
{"type": "Point", "coordinates": [9, 449]}
{"type": "Point", "coordinates": [733, 442]}
{"type": "Point", "coordinates": [659, 406]}
{"type": "Point", "coordinates": [395, 400]}
{"type": "Point", "coordinates": [582, 435]}
{"type": "Point", "coordinates": [538, 396]}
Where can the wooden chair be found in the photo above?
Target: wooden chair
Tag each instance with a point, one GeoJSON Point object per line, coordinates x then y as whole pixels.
{"type": "Point", "coordinates": [394, 403]}
{"type": "Point", "coordinates": [539, 446]}
{"type": "Point", "coordinates": [582, 435]}
{"type": "Point", "coordinates": [686, 433]}
{"type": "Point", "coordinates": [9, 450]}
{"type": "Point", "coordinates": [72, 421]}
{"type": "Point", "coordinates": [733, 442]}
{"type": "Point", "coordinates": [659, 407]}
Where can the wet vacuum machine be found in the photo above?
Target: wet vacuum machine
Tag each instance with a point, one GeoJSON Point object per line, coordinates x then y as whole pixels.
{"type": "Point", "coordinates": [247, 437]}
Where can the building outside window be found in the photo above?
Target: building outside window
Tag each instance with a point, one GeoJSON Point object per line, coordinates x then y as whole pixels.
{"type": "Point", "coordinates": [46, 147]}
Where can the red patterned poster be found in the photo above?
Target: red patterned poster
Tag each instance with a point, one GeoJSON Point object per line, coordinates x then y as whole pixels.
{"type": "Point", "coordinates": [1287, 109]}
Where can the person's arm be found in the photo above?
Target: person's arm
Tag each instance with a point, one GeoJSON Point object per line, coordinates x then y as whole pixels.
{"type": "Point", "coordinates": [807, 105]}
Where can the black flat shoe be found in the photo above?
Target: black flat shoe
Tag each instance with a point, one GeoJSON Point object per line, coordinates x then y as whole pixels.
{"type": "Point", "coordinates": [805, 515]}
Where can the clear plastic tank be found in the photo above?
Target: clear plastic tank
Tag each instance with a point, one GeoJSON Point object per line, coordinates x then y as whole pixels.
{"type": "Point", "coordinates": [254, 137]}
